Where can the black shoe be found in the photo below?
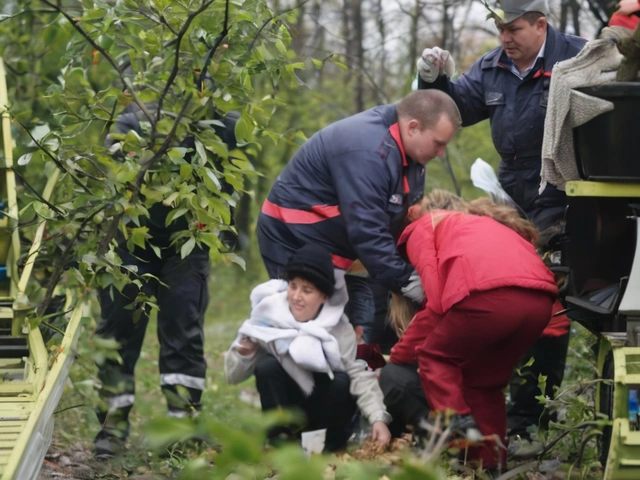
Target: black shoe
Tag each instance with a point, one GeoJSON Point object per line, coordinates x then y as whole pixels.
{"type": "Point", "coordinates": [107, 446]}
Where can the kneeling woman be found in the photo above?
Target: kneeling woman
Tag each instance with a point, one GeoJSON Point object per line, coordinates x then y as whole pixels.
{"type": "Point", "coordinates": [302, 350]}
{"type": "Point", "coordinates": [489, 296]}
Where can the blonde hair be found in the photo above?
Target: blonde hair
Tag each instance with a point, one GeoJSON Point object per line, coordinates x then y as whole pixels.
{"type": "Point", "coordinates": [402, 309]}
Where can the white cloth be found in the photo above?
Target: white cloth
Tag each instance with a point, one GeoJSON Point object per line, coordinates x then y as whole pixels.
{"type": "Point", "coordinates": [596, 64]}
{"type": "Point", "coordinates": [301, 347]}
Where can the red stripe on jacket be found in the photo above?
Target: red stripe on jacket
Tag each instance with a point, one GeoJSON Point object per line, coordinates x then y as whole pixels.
{"type": "Point", "coordinates": [395, 133]}
{"type": "Point", "coordinates": [317, 213]}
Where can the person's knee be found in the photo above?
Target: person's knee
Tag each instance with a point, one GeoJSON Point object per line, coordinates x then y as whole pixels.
{"type": "Point", "coordinates": [267, 367]}
{"type": "Point", "coordinates": [389, 380]}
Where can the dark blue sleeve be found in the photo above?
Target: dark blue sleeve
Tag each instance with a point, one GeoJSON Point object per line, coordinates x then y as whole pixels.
{"type": "Point", "coordinates": [362, 182]}
{"type": "Point", "coordinates": [467, 91]}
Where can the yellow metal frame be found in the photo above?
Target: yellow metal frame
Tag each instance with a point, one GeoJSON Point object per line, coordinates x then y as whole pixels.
{"type": "Point", "coordinates": [581, 188]}
{"type": "Point", "coordinates": [27, 405]}
{"type": "Point", "coordinates": [624, 453]}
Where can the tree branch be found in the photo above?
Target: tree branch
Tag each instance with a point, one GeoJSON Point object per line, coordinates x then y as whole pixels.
{"type": "Point", "coordinates": [105, 54]}
{"type": "Point", "coordinates": [55, 160]}
{"type": "Point", "coordinates": [59, 267]}
{"type": "Point", "coordinates": [112, 229]}
{"type": "Point", "coordinates": [40, 197]}
{"type": "Point", "coordinates": [163, 148]}
{"type": "Point", "coordinates": [273, 17]}
{"type": "Point", "coordinates": [176, 62]}
{"type": "Point", "coordinates": [216, 44]}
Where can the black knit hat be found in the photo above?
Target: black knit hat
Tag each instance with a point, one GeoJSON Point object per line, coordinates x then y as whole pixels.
{"type": "Point", "coordinates": [312, 263]}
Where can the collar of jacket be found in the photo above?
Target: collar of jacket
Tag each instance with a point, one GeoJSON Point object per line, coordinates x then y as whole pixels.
{"type": "Point", "coordinates": [554, 51]}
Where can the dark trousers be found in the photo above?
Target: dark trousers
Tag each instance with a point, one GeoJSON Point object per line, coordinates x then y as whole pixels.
{"type": "Point", "coordinates": [524, 411]}
{"type": "Point", "coordinates": [182, 302]}
{"type": "Point", "coordinates": [329, 406]}
{"type": "Point", "coordinates": [403, 396]}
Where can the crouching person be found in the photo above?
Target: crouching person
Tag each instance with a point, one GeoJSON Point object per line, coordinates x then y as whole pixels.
{"type": "Point", "coordinates": [302, 350]}
{"type": "Point", "coordinates": [489, 297]}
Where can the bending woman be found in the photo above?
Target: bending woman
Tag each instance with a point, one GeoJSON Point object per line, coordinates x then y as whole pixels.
{"type": "Point", "coordinates": [302, 350]}
{"type": "Point", "coordinates": [489, 296]}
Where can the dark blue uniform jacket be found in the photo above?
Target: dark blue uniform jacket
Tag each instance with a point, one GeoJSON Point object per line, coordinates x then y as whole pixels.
{"type": "Point", "coordinates": [347, 189]}
{"type": "Point", "coordinates": [516, 109]}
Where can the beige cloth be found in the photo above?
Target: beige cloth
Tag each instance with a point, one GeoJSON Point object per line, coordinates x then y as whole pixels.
{"type": "Point", "coordinates": [596, 64]}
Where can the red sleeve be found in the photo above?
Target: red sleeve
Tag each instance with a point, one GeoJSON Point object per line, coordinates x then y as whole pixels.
{"type": "Point", "coordinates": [404, 352]}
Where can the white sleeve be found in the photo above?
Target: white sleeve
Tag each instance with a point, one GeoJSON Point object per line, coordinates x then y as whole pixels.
{"type": "Point", "coordinates": [364, 383]}
{"type": "Point", "coordinates": [238, 368]}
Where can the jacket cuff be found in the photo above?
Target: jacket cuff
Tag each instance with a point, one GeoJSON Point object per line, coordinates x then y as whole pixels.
{"type": "Point", "coordinates": [380, 416]}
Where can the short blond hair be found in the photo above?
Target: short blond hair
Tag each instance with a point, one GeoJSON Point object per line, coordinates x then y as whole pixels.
{"type": "Point", "coordinates": [427, 107]}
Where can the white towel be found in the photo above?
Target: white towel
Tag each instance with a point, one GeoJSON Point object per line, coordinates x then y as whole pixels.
{"type": "Point", "coordinates": [301, 347]}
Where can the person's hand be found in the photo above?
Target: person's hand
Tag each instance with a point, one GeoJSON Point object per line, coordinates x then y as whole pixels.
{"type": "Point", "coordinates": [413, 289]}
{"type": "Point", "coordinates": [433, 63]}
{"type": "Point", "coordinates": [246, 347]}
{"type": "Point", "coordinates": [627, 7]}
{"type": "Point", "coordinates": [380, 433]}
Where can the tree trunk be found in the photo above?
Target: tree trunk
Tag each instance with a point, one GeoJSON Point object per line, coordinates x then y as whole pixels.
{"type": "Point", "coordinates": [413, 34]}
{"type": "Point", "coordinates": [382, 66]}
{"type": "Point", "coordinates": [575, 15]}
{"type": "Point", "coordinates": [564, 15]}
{"type": "Point", "coordinates": [358, 35]}
{"type": "Point", "coordinates": [346, 34]}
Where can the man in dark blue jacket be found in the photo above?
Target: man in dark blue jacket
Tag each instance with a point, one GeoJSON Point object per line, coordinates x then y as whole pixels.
{"type": "Point", "coordinates": [349, 186]}
{"type": "Point", "coordinates": [510, 86]}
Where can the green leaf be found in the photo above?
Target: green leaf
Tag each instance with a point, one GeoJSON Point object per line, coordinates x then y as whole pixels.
{"type": "Point", "coordinates": [244, 128]}
{"type": "Point", "coordinates": [187, 247]}
{"type": "Point", "coordinates": [173, 214]}
{"type": "Point", "coordinates": [176, 154]}
{"type": "Point", "coordinates": [185, 171]}
{"type": "Point", "coordinates": [317, 63]}
{"type": "Point", "coordinates": [280, 47]}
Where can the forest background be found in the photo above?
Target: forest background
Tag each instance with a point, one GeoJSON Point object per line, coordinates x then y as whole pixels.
{"type": "Point", "coordinates": [290, 68]}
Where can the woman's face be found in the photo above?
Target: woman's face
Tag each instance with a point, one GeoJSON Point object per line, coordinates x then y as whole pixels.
{"type": "Point", "coordinates": [305, 299]}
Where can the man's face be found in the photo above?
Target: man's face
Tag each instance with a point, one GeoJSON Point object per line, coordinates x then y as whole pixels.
{"type": "Point", "coordinates": [522, 41]}
{"type": "Point", "coordinates": [424, 145]}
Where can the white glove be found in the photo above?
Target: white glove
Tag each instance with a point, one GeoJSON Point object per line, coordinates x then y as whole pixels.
{"type": "Point", "coordinates": [435, 62]}
{"type": "Point", "coordinates": [413, 289]}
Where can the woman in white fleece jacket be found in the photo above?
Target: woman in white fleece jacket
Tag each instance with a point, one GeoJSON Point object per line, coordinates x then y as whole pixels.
{"type": "Point", "coordinates": [302, 350]}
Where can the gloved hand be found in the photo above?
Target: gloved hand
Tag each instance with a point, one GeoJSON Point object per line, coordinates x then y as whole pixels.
{"type": "Point", "coordinates": [413, 289]}
{"type": "Point", "coordinates": [435, 62]}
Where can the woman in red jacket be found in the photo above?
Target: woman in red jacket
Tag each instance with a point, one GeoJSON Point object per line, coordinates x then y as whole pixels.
{"type": "Point", "coordinates": [489, 297]}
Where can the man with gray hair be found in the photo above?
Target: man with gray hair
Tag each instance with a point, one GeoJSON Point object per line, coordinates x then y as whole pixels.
{"type": "Point", "coordinates": [510, 86]}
